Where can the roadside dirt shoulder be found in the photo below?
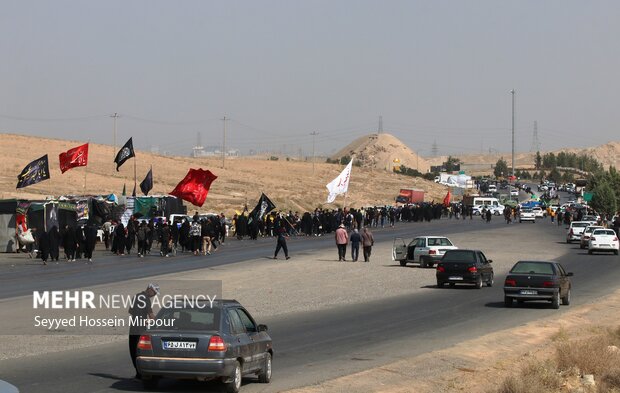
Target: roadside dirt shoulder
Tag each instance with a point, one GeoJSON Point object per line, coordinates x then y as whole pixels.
{"type": "Point", "coordinates": [481, 364]}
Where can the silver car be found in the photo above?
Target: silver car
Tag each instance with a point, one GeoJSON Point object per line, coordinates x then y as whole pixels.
{"type": "Point", "coordinates": [208, 342]}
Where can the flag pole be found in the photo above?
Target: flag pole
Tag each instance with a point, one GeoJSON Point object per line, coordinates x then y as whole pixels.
{"type": "Point", "coordinates": [135, 173]}
{"type": "Point", "coordinates": [86, 169]}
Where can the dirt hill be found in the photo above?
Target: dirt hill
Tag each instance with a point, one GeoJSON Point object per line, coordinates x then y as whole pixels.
{"type": "Point", "coordinates": [379, 151]}
{"type": "Point", "coordinates": [290, 185]}
{"type": "Point", "coordinates": [607, 154]}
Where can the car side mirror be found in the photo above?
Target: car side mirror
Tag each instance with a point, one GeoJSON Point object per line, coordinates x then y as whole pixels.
{"type": "Point", "coordinates": [262, 328]}
{"type": "Point", "coordinates": [569, 274]}
{"type": "Point", "coordinates": [490, 260]}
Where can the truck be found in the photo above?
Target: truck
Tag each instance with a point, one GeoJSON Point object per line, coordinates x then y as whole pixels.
{"type": "Point", "coordinates": [410, 195]}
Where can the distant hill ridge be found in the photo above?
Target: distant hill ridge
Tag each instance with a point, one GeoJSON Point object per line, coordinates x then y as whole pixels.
{"type": "Point", "coordinates": [379, 151]}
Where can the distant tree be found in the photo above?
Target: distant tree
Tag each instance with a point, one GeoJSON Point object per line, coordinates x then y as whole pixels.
{"type": "Point", "coordinates": [605, 198]}
{"type": "Point", "coordinates": [538, 161]}
{"type": "Point", "coordinates": [554, 175]}
{"type": "Point", "coordinates": [568, 177]}
{"type": "Point", "coordinates": [452, 164]}
{"type": "Point", "coordinates": [501, 168]}
{"type": "Point", "coordinates": [344, 160]}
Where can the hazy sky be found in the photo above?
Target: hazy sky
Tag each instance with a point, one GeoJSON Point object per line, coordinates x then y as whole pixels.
{"type": "Point", "coordinates": [435, 70]}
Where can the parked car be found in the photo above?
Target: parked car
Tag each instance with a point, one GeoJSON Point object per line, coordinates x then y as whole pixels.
{"type": "Point", "coordinates": [220, 342]}
{"type": "Point", "coordinates": [514, 192]}
{"type": "Point", "coordinates": [603, 240]}
{"type": "Point", "coordinates": [537, 280]}
{"type": "Point", "coordinates": [585, 235]}
{"type": "Point", "coordinates": [425, 250]}
{"type": "Point", "coordinates": [575, 230]}
{"type": "Point", "coordinates": [464, 267]}
{"type": "Point", "coordinates": [526, 214]}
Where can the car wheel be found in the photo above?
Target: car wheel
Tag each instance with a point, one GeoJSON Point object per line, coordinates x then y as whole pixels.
{"type": "Point", "coordinates": [566, 299]}
{"type": "Point", "coordinates": [555, 302]}
{"type": "Point", "coordinates": [235, 380]}
{"type": "Point", "coordinates": [150, 383]}
{"type": "Point", "coordinates": [567, 241]}
{"type": "Point", "coordinates": [403, 262]}
{"type": "Point", "coordinates": [422, 262]}
{"type": "Point", "coordinates": [616, 252]}
{"type": "Point", "coordinates": [582, 246]}
{"type": "Point", "coordinates": [590, 252]}
{"type": "Point", "coordinates": [507, 301]}
{"type": "Point", "coordinates": [265, 374]}
{"type": "Point", "coordinates": [479, 282]}
{"type": "Point", "coordinates": [452, 284]}
{"type": "Point", "coordinates": [490, 281]}
{"type": "Point", "coordinates": [496, 213]}
{"type": "Point", "coordinates": [520, 221]}
{"type": "Point", "coordinates": [440, 284]}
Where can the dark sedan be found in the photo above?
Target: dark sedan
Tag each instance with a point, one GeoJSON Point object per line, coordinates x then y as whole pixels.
{"type": "Point", "coordinates": [537, 280]}
{"type": "Point", "coordinates": [206, 343]}
{"type": "Point", "coordinates": [464, 267]}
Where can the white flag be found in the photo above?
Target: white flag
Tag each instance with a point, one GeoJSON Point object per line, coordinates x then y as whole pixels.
{"type": "Point", "coordinates": [339, 185]}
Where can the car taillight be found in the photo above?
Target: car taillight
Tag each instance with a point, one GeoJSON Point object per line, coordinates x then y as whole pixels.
{"type": "Point", "coordinates": [548, 284]}
{"type": "Point", "coordinates": [441, 269]}
{"type": "Point", "coordinates": [145, 343]}
{"type": "Point", "coordinates": [592, 238]}
{"type": "Point", "coordinates": [615, 239]}
{"type": "Point", "coordinates": [216, 343]}
{"type": "Point", "coordinates": [472, 269]}
{"type": "Point", "coordinates": [432, 252]}
{"type": "Point", "coordinates": [510, 282]}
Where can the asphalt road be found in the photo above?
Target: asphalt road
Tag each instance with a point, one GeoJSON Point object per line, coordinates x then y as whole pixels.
{"type": "Point", "coordinates": [311, 346]}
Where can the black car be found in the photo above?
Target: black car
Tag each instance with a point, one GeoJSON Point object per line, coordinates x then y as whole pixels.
{"type": "Point", "coordinates": [464, 267]}
{"type": "Point", "coordinates": [207, 342]}
{"type": "Point", "coordinates": [537, 280]}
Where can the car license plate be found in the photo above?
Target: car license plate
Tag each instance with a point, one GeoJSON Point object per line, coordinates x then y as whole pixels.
{"type": "Point", "coordinates": [605, 245]}
{"type": "Point", "coordinates": [528, 292]}
{"type": "Point", "coordinates": [455, 278]}
{"type": "Point", "coordinates": [179, 345]}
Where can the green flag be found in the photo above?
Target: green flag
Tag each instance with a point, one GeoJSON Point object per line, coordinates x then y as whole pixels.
{"type": "Point", "coordinates": [124, 190]}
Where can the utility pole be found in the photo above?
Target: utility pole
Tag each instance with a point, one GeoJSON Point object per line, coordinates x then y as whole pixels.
{"type": "Point", "coordinates": [224, 144]}
{"type": "Point", "coordinates": [115, 116]}
{"type": "Point", "coordinates": [314, 134]}
{"type": "Point", "coordinates": [513, 131]}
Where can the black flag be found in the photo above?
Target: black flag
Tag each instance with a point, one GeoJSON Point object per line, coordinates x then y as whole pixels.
{"type": "Point", "coordinates": [36, 171]}
{"type": "Point", "coordinates": [147, 183]}
{"type": "Point", "coordinates": [125, 153]}
{"type": "Point", "coordinates": [263, 207]}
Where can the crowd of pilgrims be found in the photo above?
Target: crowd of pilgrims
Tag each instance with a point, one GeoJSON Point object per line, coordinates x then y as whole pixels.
{"type": "Point", "coordinates": [202, 235]}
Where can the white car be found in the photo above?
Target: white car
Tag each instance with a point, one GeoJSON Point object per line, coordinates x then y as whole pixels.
{"type": "Point", "coordinates": [585, 235]}
{"type": "Point", "coordinates": [514, 192]}
{"type": "Point", "coordinates": [526, 214]}
{"type": "Point", "coordinates": [603, 240]}
{"type": "Point", "coordinates": [539, 212]}
{"type": "Point", "coordinates": [575, 230]}
{"type": "Point", "coordinates": [425, 250]}
{"type": "Point", "coordinates": [492, 188]}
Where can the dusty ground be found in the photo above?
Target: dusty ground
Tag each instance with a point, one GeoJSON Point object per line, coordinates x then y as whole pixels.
{"type": "Point", "coordinates": [290, 184]}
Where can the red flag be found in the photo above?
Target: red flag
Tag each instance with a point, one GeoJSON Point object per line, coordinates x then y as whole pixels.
{"type": "Point", "coordinates": [78, 156]}
{"type": "Point", "coordinates": [446, 200]}
{"type": "Point", "coordinates": [195, 186]}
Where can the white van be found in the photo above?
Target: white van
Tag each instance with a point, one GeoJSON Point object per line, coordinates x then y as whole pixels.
{"type": "Point", "coordinates": [487, 201]}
